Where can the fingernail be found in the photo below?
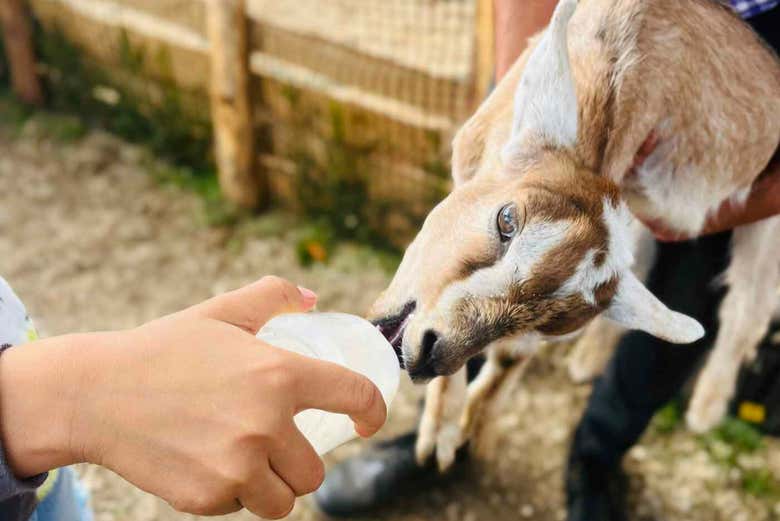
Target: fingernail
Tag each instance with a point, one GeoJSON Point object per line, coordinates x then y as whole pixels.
{"type": "Point", "coordinates": [309, 297]}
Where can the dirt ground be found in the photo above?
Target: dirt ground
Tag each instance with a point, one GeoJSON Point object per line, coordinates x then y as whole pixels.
{"type": "Point", "coordinates": [90, 241]}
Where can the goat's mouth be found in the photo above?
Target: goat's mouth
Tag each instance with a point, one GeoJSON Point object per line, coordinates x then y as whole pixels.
{"type": "Point", "coordinates": [393, 327]}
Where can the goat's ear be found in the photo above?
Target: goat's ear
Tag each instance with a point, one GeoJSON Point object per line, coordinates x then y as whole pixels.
{"type": "Point", "coordinates": [634, 307]}
{"type": "Point", "coordinates": [545, 105]}
{"type": "Point", "coordinates": [468, 148]}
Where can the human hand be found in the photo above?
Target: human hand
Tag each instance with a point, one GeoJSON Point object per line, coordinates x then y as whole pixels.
{"type": "Point", "coordinates": [190, 407]}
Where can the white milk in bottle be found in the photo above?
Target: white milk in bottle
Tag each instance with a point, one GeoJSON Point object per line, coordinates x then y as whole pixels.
{"type": "Point", "coordinates": [343, 339]}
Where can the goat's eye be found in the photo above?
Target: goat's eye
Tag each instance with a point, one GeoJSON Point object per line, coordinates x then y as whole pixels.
{"type": "Point", "coordinates": [507, 222]}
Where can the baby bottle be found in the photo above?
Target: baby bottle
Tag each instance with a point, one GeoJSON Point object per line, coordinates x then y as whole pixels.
{"type": "Point", "coordinates": [343, 339]}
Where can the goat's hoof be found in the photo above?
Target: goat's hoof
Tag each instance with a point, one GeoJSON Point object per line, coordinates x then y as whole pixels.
{"type": "Point", "coordinates": [449, 441]}
{"type": "Point", "coordinates": [706, 410]}
{"type": "Point", "coordinates": [423, 449]}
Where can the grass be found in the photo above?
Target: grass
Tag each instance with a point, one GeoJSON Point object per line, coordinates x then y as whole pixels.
{"type": "Point", "coordinates": [761, 483]}
{"type": "Point", "coordinates": [727, 445]}
{"type": "Point", "coordinates": [734, 439]}
{"type": "Point", "coordinates": [18, 118]}
{"type": "Point", "coordinates": [334, 193]}
{"type": "Point", "coordinates": [739, 435]}
{"type": "Point", "coordinates": [668, 419]}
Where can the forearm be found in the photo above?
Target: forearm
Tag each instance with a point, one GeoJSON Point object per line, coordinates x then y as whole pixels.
{"type": "Point", "coordinates": [40, 399]}
{"type": "Point", "coordinates": [515, 22]}
{"type": "Point", "coordinates": [762, 203]}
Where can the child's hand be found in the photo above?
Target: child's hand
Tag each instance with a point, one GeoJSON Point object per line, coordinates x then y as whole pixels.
{"type": "Point", "coordinates": [190, 407]}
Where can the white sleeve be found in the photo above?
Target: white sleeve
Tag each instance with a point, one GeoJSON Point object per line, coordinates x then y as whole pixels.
{"type": "Point", "coordinates": [15, 326]}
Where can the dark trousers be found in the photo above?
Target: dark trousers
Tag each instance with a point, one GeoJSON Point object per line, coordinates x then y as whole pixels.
{"type": "Point", "coordinates": [645, 373]}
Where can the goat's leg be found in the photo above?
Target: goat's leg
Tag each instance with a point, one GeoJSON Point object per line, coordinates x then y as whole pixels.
{"type": "Point", "coordinates": [439, 430]}
{"type": "Point", "coordinates": [455, 411]}
{"type": "Point", "coordinates": [487, 395]}
{"type": "Point", "coordinates": [590, 354]}
{"type": "Point", "coordinates": [744, 315]}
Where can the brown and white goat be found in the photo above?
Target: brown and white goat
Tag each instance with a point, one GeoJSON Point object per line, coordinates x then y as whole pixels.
{"type": "Point", "coordinates": [536, 238]}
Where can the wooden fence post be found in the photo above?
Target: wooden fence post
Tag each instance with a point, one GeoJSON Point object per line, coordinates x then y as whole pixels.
{"type": "Point", "coordinates": [17, 39]}
{"type": "Point", "coordinates": [231, 109]}
{"type": "Point", "coordinates": [484, 55]}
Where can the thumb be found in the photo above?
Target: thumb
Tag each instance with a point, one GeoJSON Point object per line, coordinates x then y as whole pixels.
{"type": "Point", "coordinates": [252, 306]}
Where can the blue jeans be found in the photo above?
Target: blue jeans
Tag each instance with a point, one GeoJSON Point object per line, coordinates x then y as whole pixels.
{"type": "Point", "coordinates": [68, 500]}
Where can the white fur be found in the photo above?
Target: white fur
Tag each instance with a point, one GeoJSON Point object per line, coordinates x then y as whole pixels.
{"type": "Point", "coordinates": [635, 307]}
{"type": "Point", "coordinates": [439, 429]}
{"type": "Point", "coordinates": [679, 196]}
{"type": "Point", "coordinates": [525, 252]}
{"type": "Point", "coordinates": [545, 100]}
{"type": "Point", "coordinates": [591, 352]}
{"type": "Point", "coordinates": [776, 313]}
{"type": "Point", "coordinates": [587, 276]}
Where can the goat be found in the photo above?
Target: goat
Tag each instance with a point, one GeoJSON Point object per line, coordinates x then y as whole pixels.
{"type": "Point", "coordinates": [536, 238]}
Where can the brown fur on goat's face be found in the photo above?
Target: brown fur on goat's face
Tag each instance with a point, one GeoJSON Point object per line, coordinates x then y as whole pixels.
{"type": "Point", "coordinates": [471, 289]}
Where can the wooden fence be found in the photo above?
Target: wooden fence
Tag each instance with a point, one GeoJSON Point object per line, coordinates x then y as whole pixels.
{"type": "Point", "coordinates": [287, 79]}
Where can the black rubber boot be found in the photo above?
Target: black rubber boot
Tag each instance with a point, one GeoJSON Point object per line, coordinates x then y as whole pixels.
{"type": "Point", "coordinates": [595, 491]}
{"type": "Point", "coordinates": [376, 477]}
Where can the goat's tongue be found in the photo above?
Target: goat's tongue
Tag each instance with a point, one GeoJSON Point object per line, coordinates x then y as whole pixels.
{"type": "Point", "coordinates": [394, 333]}
{"type": "Point", "coordinates": [394, 336]}
{"type": "Point", "coordinates": [392, 328]}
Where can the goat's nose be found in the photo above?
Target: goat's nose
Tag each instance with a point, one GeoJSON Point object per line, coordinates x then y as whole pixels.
{"type": "Point", "coordinates": [428, 348]}
{"type": "Point", "coordinates": [424, 367]}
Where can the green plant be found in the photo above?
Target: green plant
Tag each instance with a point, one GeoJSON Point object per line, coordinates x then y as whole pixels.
{"type": "Point", "coordinates": [740, 435]}
{"type": "Point", "coordinates": [333, 190]}
{"type": "Point", "coordinates": [13, 113]}
{"type": "Point", "coordinates": [760, 483]}
{"type": "Point", "coordinates": [668, 418]}
{"type": "Point", "coordinates": [734, 439]}
{"type": "Point", "coordinates": [314, 244]}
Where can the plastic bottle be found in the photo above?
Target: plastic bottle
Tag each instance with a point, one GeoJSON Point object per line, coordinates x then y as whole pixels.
{"type": "Point", "coordinates": [344, 339]}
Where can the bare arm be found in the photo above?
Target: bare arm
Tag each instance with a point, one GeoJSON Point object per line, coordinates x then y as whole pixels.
{"type": "Point", "coordinates": [762, 203]}
{"type": "Point", "coordinates": [515, 22]}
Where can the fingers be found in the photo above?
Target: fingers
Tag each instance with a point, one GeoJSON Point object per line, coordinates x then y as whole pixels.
{"type": "Point", "coordinates": [252, 306]}
{"type": "Point", "coordinates": [297, 463]}
{"type": "Point", "coordinates": [331, 387]}
{"type": "Point", "coordinates": [267, 495]}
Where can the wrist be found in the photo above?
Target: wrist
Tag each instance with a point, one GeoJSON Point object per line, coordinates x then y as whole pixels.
{"type": "Point", "coordinates": [41, 390]}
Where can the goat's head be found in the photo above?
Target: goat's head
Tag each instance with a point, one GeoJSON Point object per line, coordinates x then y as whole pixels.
{"type": "Point", "coordinates": [539, 246]}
